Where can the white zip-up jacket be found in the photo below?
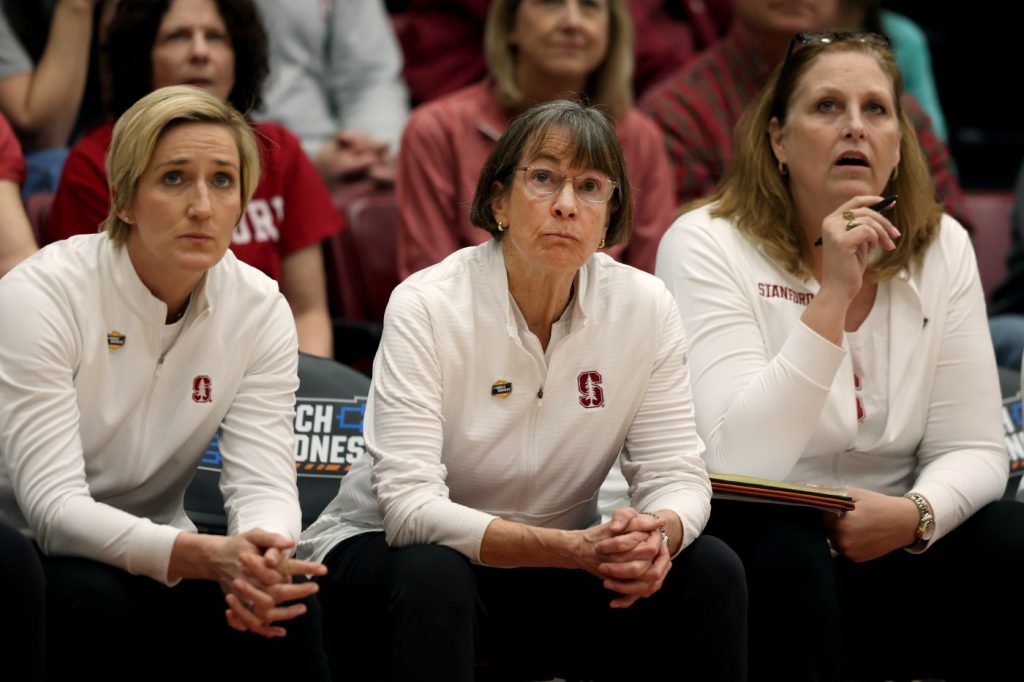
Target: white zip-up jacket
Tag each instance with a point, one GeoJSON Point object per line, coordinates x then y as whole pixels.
{"type": "Point", "coordinates": [777, 400]}
{"type": "Point", "coordinates": [100, 432]}
{"type": "Point", "coordinates": [464, 424]}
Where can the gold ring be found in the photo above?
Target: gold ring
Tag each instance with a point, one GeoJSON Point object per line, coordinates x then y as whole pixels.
{"type": "Point", "coordinates": [852, 224]}
{"type": "Point", "coordinates": [848, 215]}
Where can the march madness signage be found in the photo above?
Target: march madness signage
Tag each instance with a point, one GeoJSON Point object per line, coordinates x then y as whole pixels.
{"type": "Point", "coordinates": [328, 439]}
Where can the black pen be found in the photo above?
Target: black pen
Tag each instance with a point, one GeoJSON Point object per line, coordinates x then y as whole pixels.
{"type": "Point", "coordinates": [880, 206]}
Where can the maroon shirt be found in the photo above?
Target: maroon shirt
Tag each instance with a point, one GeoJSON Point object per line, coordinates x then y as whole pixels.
{"type": "Point", "coordinates": [12, 164]}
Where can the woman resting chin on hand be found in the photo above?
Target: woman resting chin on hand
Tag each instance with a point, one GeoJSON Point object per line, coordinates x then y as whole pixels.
{"type": "Point", "coordinates": [840, 338]}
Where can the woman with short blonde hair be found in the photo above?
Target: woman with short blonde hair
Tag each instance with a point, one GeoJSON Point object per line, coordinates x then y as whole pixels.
{"type": "Point", "coordinates": [123, 354]}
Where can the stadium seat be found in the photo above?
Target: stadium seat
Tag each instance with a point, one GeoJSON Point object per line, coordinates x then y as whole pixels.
{"type": "Point", "coordinates": [364, 257]}
{"type": "Point", "coordinates": [989, 213]}
{"type": "Point", "coordinates": [362, 269]}
{"type": "Point", "coordinates": [37, 206]}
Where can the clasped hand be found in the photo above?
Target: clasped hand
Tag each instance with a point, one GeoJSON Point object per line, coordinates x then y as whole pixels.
{"type": "Point", "coordinates": [628, 554]}
{"type": "Point", "coordinates": [255, 573]}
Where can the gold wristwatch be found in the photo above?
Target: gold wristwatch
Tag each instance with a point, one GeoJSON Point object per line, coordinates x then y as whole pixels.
{"type": "Point", "coordinates": [926, 524]}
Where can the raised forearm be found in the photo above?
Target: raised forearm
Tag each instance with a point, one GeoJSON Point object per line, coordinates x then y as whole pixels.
{"type": "Point", "coordinates": [51, 102]}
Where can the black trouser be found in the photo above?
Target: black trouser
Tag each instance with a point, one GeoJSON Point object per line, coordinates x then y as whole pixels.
{"type": "Point", "coordinates": [425, 612]}
{"type": "Point", "coordinates": [104, 624]}
{"type": "Point", "coordinates": [22, 634]}
{"type": "Point", "coordinates": [817, 618]}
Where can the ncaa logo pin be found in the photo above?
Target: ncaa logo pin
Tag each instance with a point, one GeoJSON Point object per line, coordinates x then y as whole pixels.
{"type": "Point", "coordinates": [115, 339]}
{"type": "Point", "coordinates": [501, 388]}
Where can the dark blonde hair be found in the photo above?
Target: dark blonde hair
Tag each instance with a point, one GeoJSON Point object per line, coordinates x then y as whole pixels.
{"type": "Point", "coordinates": [610, 84]}
{"type": "Point", "coordinates": [755, 196]}
{"type": "Point", "coordinates": [592, 145]}
{"type": "Point", "coordinates": [139, 129]}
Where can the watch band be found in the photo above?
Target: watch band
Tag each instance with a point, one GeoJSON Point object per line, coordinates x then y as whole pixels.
{"type": "Point", "coordinates": [925, 525]}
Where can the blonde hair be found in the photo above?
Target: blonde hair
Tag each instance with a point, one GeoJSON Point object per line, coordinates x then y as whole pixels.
{"type": "Point", "coordinates": [754, 195]}
{"type": "Point", "coordinates": [610, 84]}
{"type": "Point", "coordinates": [140, 128]}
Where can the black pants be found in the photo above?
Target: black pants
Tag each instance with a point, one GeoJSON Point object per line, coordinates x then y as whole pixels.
{"type": "Point", "coordinates": [22, 634]}
{"type": "Point", "coordinates": [817, 618]}
{"type": "Point", "coordinates": [424, 612]}
{"type": "Point", "coordinates": [104, 624]}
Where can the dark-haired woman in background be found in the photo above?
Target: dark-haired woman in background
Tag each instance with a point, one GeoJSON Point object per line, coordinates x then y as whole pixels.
{"type": "Point", "coordinates": [220, 46]}
{"type": "Point", "coordinates": [836, 341]}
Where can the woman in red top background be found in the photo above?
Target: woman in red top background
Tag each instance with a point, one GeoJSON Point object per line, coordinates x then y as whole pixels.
{"type": "Point", "coordinates": [220, 46]}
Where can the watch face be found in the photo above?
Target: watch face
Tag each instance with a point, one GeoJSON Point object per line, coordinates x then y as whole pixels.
{"type": "Point", "coordinates": [927, 528]}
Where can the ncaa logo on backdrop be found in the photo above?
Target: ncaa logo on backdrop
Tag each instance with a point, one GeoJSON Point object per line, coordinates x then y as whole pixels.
{"type": "Point", "coordinates": [328, 437]}
{"type": "Point", "coordinates": [589, 386]}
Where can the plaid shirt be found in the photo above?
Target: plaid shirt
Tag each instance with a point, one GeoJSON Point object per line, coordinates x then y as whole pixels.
{"type": "Point", "coordinates": [699, 107]}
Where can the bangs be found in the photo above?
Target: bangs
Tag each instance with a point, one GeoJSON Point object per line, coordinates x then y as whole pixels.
{"type": "Point", "coordinates": [582, 143]}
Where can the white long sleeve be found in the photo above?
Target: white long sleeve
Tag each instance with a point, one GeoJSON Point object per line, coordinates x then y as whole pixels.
{"type": "Point", "coordinates": [775, 399]}
{"type": "Point", "coordinates": [99, 441]}
{"type": "Point", "coordinates": [449, 452]}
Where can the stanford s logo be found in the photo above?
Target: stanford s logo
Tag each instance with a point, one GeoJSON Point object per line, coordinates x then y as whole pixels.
{"type": "Point", "coordinates": [202, 389]}
{"type": "Point", "coordinates": [591, 393]}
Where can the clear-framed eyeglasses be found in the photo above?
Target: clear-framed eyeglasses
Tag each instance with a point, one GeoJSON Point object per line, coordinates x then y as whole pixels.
{"type": "Point", "coordinates": [545, 182]}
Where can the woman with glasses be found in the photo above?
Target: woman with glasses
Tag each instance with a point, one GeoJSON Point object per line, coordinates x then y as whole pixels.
{"type": "Point", "coordinates": [537, 51]}
{"type": "Point", "coordinates": [509, 379]}
{"type": "Point", "coordinates": [839, 338]}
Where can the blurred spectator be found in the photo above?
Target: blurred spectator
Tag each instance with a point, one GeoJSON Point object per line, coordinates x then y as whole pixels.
{"type": "Point", "coordinates": [41, 90]}
{"type": "Point", "coordinates": [910, 46]}
{"type": "Point", "coordinates": [443, 40]}
{"type": "Point", "coordinates": [335, 81]}
{"type": "Point", "coordinates": [16, 240]}
{"type": "Point", "coordinates": [188, 42]}
{"type": "Point", "coordinates": [536, 52]}
{"type": "Point", "coordinates": [698, 107]}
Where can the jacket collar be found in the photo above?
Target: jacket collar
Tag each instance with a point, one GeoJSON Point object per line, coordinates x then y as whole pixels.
{"type": "Point", "coordinates": [137, 296]}
{"type": "Point", "coordinates": [582, 300]}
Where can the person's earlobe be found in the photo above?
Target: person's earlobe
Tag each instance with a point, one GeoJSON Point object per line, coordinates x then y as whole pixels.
{"type": "Point", "coordinates": [498, 203]}
{"type": "Point", "coordinates": [775, 139]}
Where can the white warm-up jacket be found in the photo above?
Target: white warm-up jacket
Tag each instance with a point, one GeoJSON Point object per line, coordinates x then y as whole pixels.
{"type": "Point", "coordinates": [775, 399]}
{"type": "Point", "coordinates": [464, 424]}
{"type": "Point", "coordinates": [100, 432]}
